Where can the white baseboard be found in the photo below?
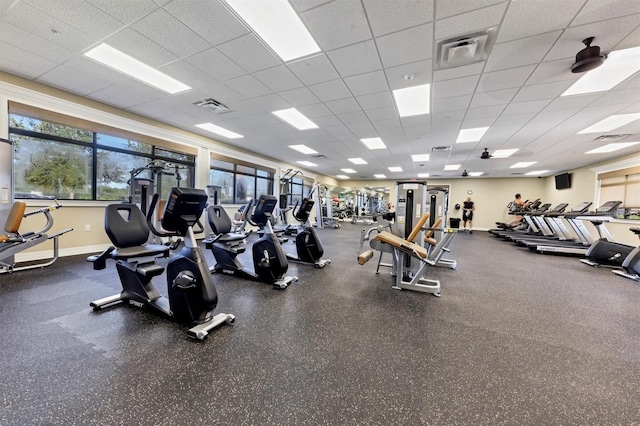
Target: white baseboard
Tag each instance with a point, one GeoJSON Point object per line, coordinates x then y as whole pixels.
{"type": "Point", "coordinates": [47, 254]}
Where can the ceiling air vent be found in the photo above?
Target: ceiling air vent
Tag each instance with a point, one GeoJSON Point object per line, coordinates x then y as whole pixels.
{"type": "Point", "coordinates": [610, 138]}
{"type": "Point", "coordinates": [517, 174]}
{"type": "Point", "coordinates": [319, 156]}
{"type": "Point", "coordinates": [465, 49]}
{"type": "Point", "coordinates": [441, 149]}
{"type": "Point", "coordinates": [213, 105]}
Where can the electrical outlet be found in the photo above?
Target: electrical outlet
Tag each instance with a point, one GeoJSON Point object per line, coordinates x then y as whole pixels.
{"type": "Point", "coordinates": [87, 228]}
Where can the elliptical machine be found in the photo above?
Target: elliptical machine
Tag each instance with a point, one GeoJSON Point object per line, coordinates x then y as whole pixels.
{"type": "Point", "coordinates": [192, 295]}
{"type": "Point", "coordinates": [269, 260]}
{"type": "Point", "coordinates": [308, 245]}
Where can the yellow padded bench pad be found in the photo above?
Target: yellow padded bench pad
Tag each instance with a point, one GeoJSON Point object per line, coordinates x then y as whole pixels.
{"type": "Point", "coordinates": [406, 246]}
{"type": "Point", "coordinates": [12, 225]}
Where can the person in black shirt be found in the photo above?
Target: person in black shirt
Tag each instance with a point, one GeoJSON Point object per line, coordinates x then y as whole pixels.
{"type": "Point", "coordinates": [467, 214]}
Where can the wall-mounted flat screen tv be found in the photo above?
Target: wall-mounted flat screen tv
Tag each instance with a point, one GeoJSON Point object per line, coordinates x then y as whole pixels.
{"type": "Point", "coordinates": [563, 181]}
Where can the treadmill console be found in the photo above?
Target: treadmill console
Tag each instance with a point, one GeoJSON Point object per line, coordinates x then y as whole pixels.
{"type": "Point", "coordinates": [610, 207]}
{"type": "Point", "coordinates": [582, 207]}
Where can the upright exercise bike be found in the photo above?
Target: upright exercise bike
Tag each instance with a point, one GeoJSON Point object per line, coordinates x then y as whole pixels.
{"type": "Point", "coordinates": [269, 260]}
{"type": "Point", "coordinates": [192, 295]}
{"type": "Point", "coordinates": [308, 245]}
{"type": "Point", "coordinates": [631, 265]}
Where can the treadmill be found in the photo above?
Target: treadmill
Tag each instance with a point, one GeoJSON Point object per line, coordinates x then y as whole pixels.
{"type": "Point", "coordinates": [584, 241]}
{"type": "Point", "coordinates": [554, 222]}
{"type": "Point", "coordinates": [547, 232]}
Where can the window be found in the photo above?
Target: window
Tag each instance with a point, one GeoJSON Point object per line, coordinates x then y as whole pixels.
{"type": "Point", "coordinates": [296, 189]}
{"type": "Point", "coordinates": [622, 185]}
{"type": "Point", "coordinates": [239, 181]}
{"type": "Point", "coordinates": [79, 160]}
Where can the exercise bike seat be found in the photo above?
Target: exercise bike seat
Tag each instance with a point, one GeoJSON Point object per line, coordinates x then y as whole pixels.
{"type": "Point", "coordinates": [221, 225]}
{"type": "Point", "coordinates": [127, 228]}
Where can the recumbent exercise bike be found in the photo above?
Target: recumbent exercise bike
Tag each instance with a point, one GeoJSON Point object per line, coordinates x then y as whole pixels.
{"type": "Point", "coordinates": [192, 296]}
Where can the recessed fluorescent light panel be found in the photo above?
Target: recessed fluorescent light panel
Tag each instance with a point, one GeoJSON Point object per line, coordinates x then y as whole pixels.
{"type": "Point", "coordinates": [475, 174]}
{"type": "Point", "coordinates": [219, 130]}
{"type": "Point", "coordinates": [452, 167]}
{"type": "Point", "coordinates": [357, 161]}
{"type": "Point", "coordinates": [611, 147]}
{"type": "Point", "coordinates": [307, 163]}
{"type": "Point", "coordinates": [503, 153]}
{"type": "Point", "coordinates": [303, 149]}
{"type": "Point", "coordinates": [278, 25]}
{"type": "Point", "coordinates": [132, 67]}
{"type": "Point", "coordinates": [610, 123]}
{"type": "Point", "coordinates": [523, 164]}
{"type": "Point", "coordinates": [348, 170]}
{"type": "Point", "coordinates": [420, 157]}
{"type": "Point", "coordinates": [379, 176]}
{"type": "Point", "coordinates": [619, 65]}
{"type": "Point", "coordinates": [343, 177]}
{"type": "Point", "coordinates": [413, 100]}
{"type": "Point", "coordinates": [294, 117]}
{"type": "Point", "coordinates": [395, 169]}
{"type": "Point", "coordinates": [536, 173]}
{"type": "Point", "coordinates": [423, 175]}
{"type": "Point", "coordinates": [471, 135]}
{"type": "Point", "coordinates": [373, 143]}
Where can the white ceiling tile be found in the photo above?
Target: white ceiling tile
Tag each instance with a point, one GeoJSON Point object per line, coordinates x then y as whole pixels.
{"type": "Point", "coordinates": [23, 63]}
{"type": "Point", "coordinates": [32, 43]}
{"type": "Point", "coordinates": [548, 72]}
{"type": "Point", "coordinates": [127, 94]}
{"type": "Point", "coordinates": [420, 73]}
{"type": "Point", "coordinates": [216, 64]}
{"type": "Point", "coordinates": [528, 18]}
{"type": "Point", "coordinates": [393, 124]}
{"type": "Point", "coordinates": [210, 19]}
{"type": "Point", "coordinates": [314, 69]}
{"type": "Point", "coordinates": [326, 121]}
{"type": "Point", "coordinates": [248, 86]}
{"type": "Point", "coordinates": [450, 8]}
{"type": "Point", "coordinates": [342, 106]}
{"type": "Point", "coordinates": [525, 107]}
{"type": "Point", "coordinates": [614, 97]}
{"type": "Point", "coordinates": [96, 70]}
{"type": "Point", "coordinates": [356, 59]}
{"type": "Point", "coordinates": [302, 5]}
{"type": "Point", "coordinates": [271, 102]}
{"type": "Point", "coordinates": [140, 47]}
{"type": "Point", "coordinates": [221, 93]}
{"type": "Point", "coordinates": [337, 24]}
{"type": "Point", "coordinates": [338, 131]}
{"type": "Point", "coordinates": [484, 112]}
{"type": "Point", "coordinates": [249, 108]}
{"type": "Point", "coordinates": [537, 92]}
{"type": "Point", "coordinates": [153, 110]}
{"type": "Point", "coordinates": [353, 118]}
{"type": "Point", "coordinates": [80, 14]}
{"type": "Point", "coordinates": [469, 22]}
{"type": "Point", "coordinates": [315, 110]}
{"type": "Point", "coordinates": [4, 6]}
{"type": "Point", "coordinates": [249, 52]}
{"type": "Point", "coordinates": [631, 40]}
{"type": "Point", "coordinates": [570, 42]}
{"type": "Point", "coordinates": [375, 100]}
{"type": "Point", "coordinates": [387, 113]}
{"type": "Point", "coordinates": [278, 78]}
{"type": "Point", "coordinates": [571, 102]}
{"type": "Point", "coordinates": [455, 87]}
{"type": "Point", "coordinates": [162, 2]}
{"type": "Point", "coordinates": [69, 79]}
{"type": "Point", "coordinates": [172, 34]}
{"type": "Point", "coordinates": [449, 116]}
{"type": "Point", "coordinates": [598, 10]}
{"type": "Point", "coordinates": [35, 21]}
{"type": "Point", "coordinates": [331, 90]}
{"type": "Point", "coordinates": [368, 83]}
{"type": "Point", "coordinates": [299, 97]}
{"type": "Point", "coordinates": [526, 51]}
{"type": "Point", "coordinates": [412, 45]}
{"type": "Point", "coordinates": [457, 72]}
{"type": "Point", "coordinates": [126, 11]}
{"type": "Point", "coordinates": [386, 16]}
{"type": "Point", "coordinates": [188, 74]}
{"type": "Point", "coordinates": [362, 130]}
{"type": "Point", "coordinates": [452, 104]}
{"type": "Point", "coordinates": [505, 79]}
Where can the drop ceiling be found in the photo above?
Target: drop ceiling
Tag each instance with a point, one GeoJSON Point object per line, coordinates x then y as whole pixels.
{"type": "Point", "coordinates": [369, 48]}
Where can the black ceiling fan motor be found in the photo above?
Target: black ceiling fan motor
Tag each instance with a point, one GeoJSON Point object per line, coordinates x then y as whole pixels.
{"type": "Point", "coordinates": [485, 155]}
{"type": "Point", "coordinates": [588, 58]}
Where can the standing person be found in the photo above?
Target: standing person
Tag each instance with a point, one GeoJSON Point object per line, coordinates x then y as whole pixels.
{"type": "Point", "coordinates": [467, 214]}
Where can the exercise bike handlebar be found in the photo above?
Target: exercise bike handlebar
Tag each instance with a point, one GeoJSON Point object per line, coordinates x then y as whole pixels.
{"type": "Point", "coordinates": [152, 227]}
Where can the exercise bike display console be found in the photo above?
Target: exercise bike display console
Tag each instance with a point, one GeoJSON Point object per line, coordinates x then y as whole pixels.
{"type": "Point", "coordinates": [192, 295]}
